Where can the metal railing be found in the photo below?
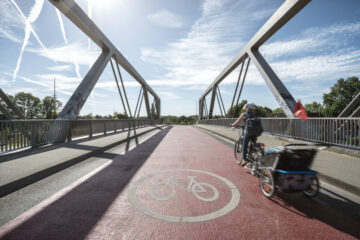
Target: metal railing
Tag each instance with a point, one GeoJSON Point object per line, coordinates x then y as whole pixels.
{"type": "Point", "coordinates": [19, 134]}
{"type": "Point", "coordinates": [338, 131]}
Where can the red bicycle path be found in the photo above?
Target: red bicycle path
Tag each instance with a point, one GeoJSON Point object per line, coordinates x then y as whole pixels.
{"type": "Point", "coordinates": [118, 201]}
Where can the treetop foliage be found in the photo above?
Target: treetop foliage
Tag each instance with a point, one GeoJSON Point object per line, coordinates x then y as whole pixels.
{"type": "Point", "coordinates": [334, 102]}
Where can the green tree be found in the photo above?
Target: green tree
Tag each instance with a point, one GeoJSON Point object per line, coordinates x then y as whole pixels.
{"type": "Point", "coordinates": [278, 112]}
{"type": "Point", "coordinates": [340, 96]}
{"type": "Point", "coordinates": [260, 111]}
{"type": "Point", "coordinates": [48, 105]}
{"type": "Point", "coordinates": [118, 115]}
{"type": "Point", "coordinates": [314, 109]}
{"type": "Point", "coordinates": [97, 116]}
{"type": "Point", "coordinates": [2, 116]}
{"type": "Point", "coordinates": [182, 120]}
{"type": "Point", "coordinates": [236, 110]}
{"type": "Point", "coordinates": [28, 104]}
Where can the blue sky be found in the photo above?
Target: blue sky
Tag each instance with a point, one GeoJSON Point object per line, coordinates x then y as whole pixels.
{"type": "Point", "coordinates": [179, 47]}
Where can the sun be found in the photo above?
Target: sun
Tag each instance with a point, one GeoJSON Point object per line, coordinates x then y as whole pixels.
{"type": "Point", "coordinates": [102, 5]}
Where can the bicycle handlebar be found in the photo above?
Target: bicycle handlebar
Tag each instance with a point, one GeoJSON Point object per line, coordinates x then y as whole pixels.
{"type": "Point", "coordinates": [237, 126]}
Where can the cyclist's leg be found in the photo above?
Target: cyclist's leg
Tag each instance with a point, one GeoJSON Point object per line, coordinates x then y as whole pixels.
{"type": "Point", "coordinates": [245, 144]}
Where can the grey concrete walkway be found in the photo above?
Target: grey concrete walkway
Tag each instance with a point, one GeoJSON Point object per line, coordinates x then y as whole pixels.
{"type": "Point", "coordinates": [339, 169]}
{"type": "Point", "coordinates": [20, 169]}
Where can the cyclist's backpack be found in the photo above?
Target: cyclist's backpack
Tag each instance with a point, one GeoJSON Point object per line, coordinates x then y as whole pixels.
{"type": "Point", "coordinates": [253, 125]}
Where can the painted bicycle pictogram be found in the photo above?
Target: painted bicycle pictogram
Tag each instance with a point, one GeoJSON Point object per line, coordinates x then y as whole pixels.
{"type": "Point", "coordinates": [165, 191]}
{"type": "Point", "coordinates": [179, 180]}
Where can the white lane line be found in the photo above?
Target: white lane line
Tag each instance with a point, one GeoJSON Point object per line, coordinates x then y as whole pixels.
{"type": "Point", "coordinates": [13, 224]}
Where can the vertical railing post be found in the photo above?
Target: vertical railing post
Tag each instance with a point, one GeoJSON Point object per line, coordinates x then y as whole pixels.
{"type": "Point", "coordinates": [90, 128]}
{"type": "Point", "coordinates": [2, 136]}
{"type": "Point", "coordinates": [104, 127]}
{"type": "Point", "coordinates": [33, 134]}
{"type": "Point", "coordinates": [69, 131]}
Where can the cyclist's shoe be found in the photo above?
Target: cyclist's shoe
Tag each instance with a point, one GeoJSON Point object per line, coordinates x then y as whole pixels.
{"type": "Point", "coordinates": [248, 166]}
{"type": "Point", "coordinates": [253, 170]}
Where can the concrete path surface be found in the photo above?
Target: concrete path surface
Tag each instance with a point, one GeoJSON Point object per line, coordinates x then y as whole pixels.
{"type": "Point", "coordinates": [179, 184]}
{"type": "Point", "coordinates": [21, 169]}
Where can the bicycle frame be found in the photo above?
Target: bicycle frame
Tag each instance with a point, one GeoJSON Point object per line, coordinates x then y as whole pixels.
{"type": "Point", "coordinates": [189, 188]}
{"type": "Point", "coordinates": [252, 141]}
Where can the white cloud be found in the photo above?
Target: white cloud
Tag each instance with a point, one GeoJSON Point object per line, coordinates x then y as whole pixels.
{"type": "Point", "coordinates": [32, 17]}
{"type": "Point", "coordinates": [76, 65]}
{"type": "Point", "coordinates": [64, 84]}
{"type": "Point", "coordinates": [60, 68]}
{"type": "Point", "coordinates": [112, 87]}
{"type": "Point", "coordinates": [319, 68]}
{"type": "Point", "coordinates": [166, 18]}
{"type": "Point", "coordinates": [214, 39]}
{"type": "Point", "coordinates": [195, 61]}
{"type": "Point", "coordinates": [312, 41]}
{"type": "Point", "coordinates": [67, 54]}
{"type": "Point", "coordinates": [169, 95]}
{"type": "Point", "coordinates": [9, 21]}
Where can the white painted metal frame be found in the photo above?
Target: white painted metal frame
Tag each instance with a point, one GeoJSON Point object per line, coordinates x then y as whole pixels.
{"type": "Point", "coordinates": [286, 11]}
{"type": "Point", "coordinates": [75, 14]}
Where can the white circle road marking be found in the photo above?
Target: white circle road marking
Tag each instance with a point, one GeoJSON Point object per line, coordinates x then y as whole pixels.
{"type": "Point", "coordinates": [231, 205]}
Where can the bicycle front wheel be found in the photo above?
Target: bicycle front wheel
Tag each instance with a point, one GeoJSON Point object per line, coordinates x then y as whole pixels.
{"type": "Point", "coordinates": [237, 152]}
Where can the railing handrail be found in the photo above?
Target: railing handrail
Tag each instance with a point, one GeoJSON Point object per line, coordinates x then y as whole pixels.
{"type": "Point", "coordinates": [23, 133]}
{"type": "Point", "coordinates": [343, 132]}
{"type": "Point", "coordinates": [64, 120]}
{"type": "Point", "coordinates": [343, 118]}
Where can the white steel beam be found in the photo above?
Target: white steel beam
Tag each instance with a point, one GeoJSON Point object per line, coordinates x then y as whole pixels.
{"type": "Point", "coordinates": [75, 14]}
{"type": "Point", "coordinates": [286, 11]}
{"type": "Point", "coordinates": [78, 99]}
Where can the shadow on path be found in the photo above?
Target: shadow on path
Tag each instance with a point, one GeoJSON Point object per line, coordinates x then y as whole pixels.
{"type": "Point", "coordinates": [327, 209]}
{"type": "Point", "coordinates": [74, 215]}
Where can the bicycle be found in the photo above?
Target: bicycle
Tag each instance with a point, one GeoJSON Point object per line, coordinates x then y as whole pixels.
{"type": "Point", "coordinates": [255, 152]}
{"type": "Point", "coordinates": [166, 190]}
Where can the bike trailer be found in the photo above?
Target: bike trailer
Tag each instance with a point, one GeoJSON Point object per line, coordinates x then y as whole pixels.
{"type": "Point", "coordinates": [289, 169]}
{"type": "Point", "coordinates": [295, 180]}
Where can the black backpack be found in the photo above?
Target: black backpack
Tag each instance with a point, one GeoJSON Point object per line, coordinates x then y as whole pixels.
{"type": "Point", "coordinates": [253, 125]}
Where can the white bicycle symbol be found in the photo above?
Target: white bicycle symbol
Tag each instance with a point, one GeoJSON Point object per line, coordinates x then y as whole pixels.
{"type": "Point", "coordinates": [166, 190]}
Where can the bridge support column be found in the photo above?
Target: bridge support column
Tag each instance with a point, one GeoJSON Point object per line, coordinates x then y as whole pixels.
{"type": "Point", "coordinates": [158, 108]}
{"type": "Point", "coordinates": [282, 95]}
{"type": "Point", "coordinates": [78, 99]}
{"type": "Point", "coordinates": [212, 101]}
{"type": "Point", "coordinates": [350, 107]}
{"type": "Point", "coordinates": [11, 105]}
{"type": "Point", "coordinates": [201, 109]}
{"type": "Point", "coordinates": [147, 103]}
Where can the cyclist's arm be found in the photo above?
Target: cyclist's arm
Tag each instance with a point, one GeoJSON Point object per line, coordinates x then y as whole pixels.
{"type": "Point", "coordinates": [241, 118]}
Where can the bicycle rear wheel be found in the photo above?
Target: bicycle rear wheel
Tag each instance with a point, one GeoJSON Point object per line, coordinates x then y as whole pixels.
{"type": "Point", "coordinates": [237, 152]}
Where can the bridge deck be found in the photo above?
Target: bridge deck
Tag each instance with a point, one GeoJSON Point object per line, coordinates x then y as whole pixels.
{"type": "Point", "coordinates": [179, 184]}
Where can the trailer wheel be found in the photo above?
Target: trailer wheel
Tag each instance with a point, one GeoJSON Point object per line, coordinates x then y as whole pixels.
{"type": "Point", "coordinates": [267, 183]}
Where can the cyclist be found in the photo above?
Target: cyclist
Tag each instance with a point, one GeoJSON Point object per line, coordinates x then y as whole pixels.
{"type": "Point", "coordinates": [253, 128]}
